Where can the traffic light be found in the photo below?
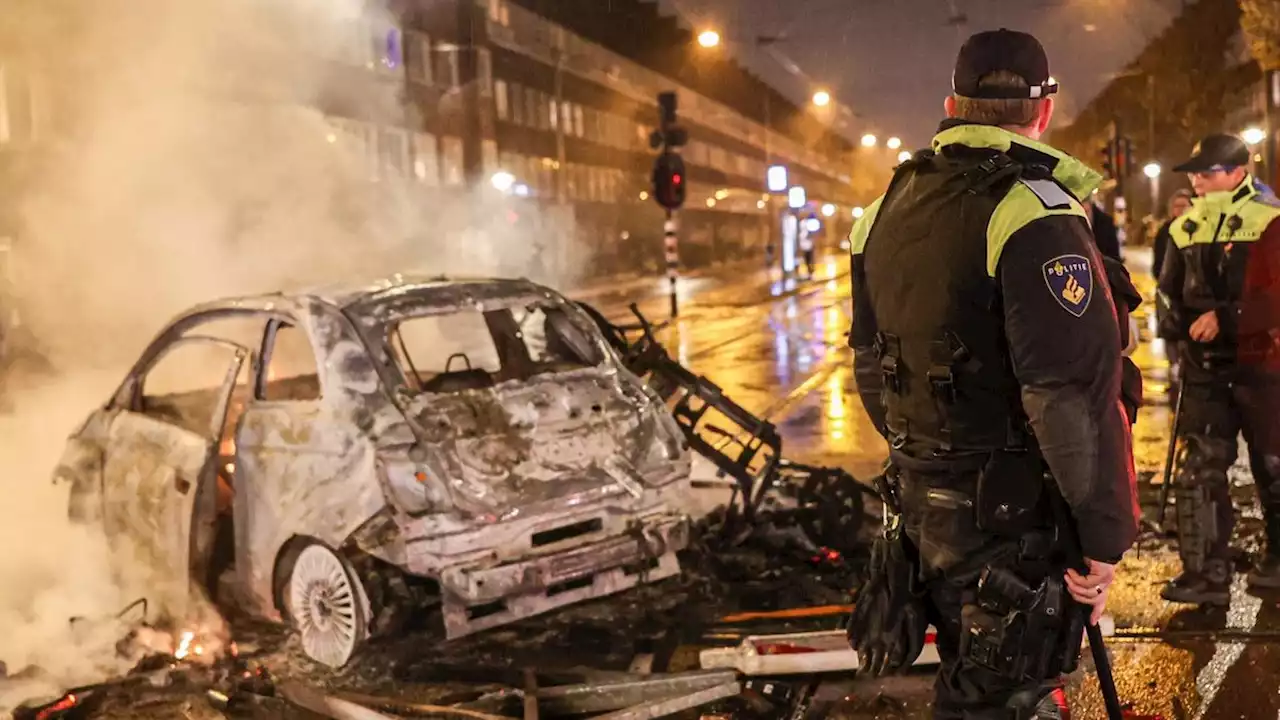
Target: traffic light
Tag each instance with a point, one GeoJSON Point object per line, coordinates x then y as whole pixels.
{"type": "Point", "coordinates": [1124, 157]}
{"type": "Point", "coordinates": [669, 180]}
{"type": "Point", "coordinates": [1108, 156]}
{"type": "Point", "coordinates": [669, 132]}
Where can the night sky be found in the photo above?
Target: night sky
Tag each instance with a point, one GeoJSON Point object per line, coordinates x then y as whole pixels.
{"type": "Point", "coordinates": [890, 61]}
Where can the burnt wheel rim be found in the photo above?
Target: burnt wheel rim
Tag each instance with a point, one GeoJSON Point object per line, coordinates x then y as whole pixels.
{"type": "Point", "coordinates": [325, 607]}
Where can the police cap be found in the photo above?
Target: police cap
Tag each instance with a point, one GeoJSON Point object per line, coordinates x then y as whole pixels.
{"type": "Point", "coordinates": [1002, 50]}
{"type": "Point", "coordinates": [1216, 152]}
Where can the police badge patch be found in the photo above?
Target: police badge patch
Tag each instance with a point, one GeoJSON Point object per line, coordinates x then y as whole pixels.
{"type": "Point", "coordinates": [1070, 281]}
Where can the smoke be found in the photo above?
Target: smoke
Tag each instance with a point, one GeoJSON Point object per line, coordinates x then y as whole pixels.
{"type": "Point", "coordinates": [182, 157]}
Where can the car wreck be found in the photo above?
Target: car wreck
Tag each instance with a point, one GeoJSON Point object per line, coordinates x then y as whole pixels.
{"type": "Point", "coordinates": [341, 457]}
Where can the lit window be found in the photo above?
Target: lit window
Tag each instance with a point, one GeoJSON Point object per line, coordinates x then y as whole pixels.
{"type": "Point", "coordinates": [554, 115]}
{"type": "Point", "coordinates": [417, 49]}
{"type": "Point", "coordinates": [579, 122]}
{"type": "Point", "coordinates": [452, 156]}
{"type": "Point", "coordinates": [426, 168]}
{"type": "Point", "coordinates": [500, 98]}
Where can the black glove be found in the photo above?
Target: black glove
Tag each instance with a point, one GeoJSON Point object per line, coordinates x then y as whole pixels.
{"type": "Point", "coordinates": [888, 623]}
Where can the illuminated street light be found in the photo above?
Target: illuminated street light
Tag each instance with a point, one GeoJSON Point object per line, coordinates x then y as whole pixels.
{"type": "Point", "coordinates": [796, 197]}
{"type": "Point", "coordinates": [503, 180]}
{"type": "Point", "coordinates": [1254, 135]}
{"type": "Point", "coordinates": [868, 140]}
{"type": "Point", "coordinates": [828, 210]}
{"type": "Point", "coordinates": [904, 156]}
{"type": "Point", "coordinates": [760, 204]}
{"type": "Point", "coordinates": [776, 178]}
{"type": "Point", "coordinates": [822, 98]}
{"type": "Point", "coordinates": [711, 202]}
{"type": "Point", "coordinates": [858, 212]}
{"type": "Point", "coordinates": [708, 38]}
{"type": "Point", "coordinates": [893, 143]}
{"type": "Point", "coordinates": [813, 225]}
{"type": "Point", "coordinates": [1151, 170]}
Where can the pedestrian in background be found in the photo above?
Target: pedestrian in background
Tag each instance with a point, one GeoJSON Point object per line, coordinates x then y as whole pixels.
{"type": "Point", "coordinates": [1179, 203]}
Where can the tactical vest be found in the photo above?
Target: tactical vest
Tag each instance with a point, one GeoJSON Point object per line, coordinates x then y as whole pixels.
{"type": "Point", "coordinates": [948, 383]}
{"type": "Point", "coordinates": [1215, 239]}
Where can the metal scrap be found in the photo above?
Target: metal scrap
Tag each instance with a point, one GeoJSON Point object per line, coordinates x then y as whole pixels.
{"type": "Point", "coordinates": [742, 445]}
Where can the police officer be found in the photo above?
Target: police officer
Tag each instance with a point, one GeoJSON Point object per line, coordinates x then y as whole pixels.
{"type": "Point", "coordinates": [988, 354]}
{"type": "Point", "coordinates": [1204, 281]}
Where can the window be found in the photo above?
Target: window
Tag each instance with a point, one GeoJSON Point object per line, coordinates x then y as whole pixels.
{"type": "Point", "coordinates": [388, 47]}
{"type": "Point", "coordinates": [484, 71]}
{"type": "Point", "coordinates": [452, 166]}
{"type": "Point", "coordinates": [292, 374]}
{"type": "Point", "coordinates": [566, 117]}
{"type": "Point", "coordinates": [445, 353]}
{"type": "Point", "coordinates": [183, 385]}
{"type": "Point", "coordinates": [517, 104]}
{"type": "Point", "coordinates": [417, 48]}
{"type": "Point", "coordinates": [579, 123]}
{"type": "Point", "coordinates": [553, 341]}
{"type": "Point", "coordinates": [426, 167]}
{"type": "Point", "coordinates": [393, 149]}
{"type": "Point", "coordinates": [447, 68]}
{"type": "Point", "coordinates": [535, 114]}
{"type": "Point", "coordinates": [500, 99]}
{"type": "Point", "coordinates": [489, 157]}
{"type": "Point", "coordinates": [554, 115]}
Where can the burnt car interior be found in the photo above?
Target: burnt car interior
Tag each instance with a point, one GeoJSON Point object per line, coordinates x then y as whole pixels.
{"type": "Point", "coordinates": [282, 369]}
{"type": "Point", "coordinates": [473, 350]}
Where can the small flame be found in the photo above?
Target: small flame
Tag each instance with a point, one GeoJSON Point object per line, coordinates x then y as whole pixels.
{"type": "Point", "coordinates": [184, 645]}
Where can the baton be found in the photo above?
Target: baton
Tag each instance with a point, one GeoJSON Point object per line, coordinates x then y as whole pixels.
{"type": "Point", "coordinates": [1169, 457]}
{"type": "Point", "coordinates": [1102, 663]}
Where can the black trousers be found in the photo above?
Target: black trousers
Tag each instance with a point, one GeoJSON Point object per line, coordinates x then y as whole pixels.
{"type": "Point", "coordinates": [953, 550]}
{"type": "Point", "coordinates": [1218, 405]}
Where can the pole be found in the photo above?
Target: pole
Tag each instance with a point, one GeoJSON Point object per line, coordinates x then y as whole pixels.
{"type": "Point", "coordinates": [1171, 454]}
{"type": "Point", "coordinates": [559, 123]}
{"type": "Point", "coordinates": [670, 240]}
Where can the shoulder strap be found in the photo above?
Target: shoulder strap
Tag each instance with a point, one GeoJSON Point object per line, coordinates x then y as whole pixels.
{"type": "Point", "coordinates": [920, 158]}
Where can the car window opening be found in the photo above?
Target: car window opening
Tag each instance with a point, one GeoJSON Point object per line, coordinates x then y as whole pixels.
{"type": "Point", "coordinates": [473, 350]}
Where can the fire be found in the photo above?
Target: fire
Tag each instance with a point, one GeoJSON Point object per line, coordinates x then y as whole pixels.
{"type": "Point", "coordinates": [184, 645]}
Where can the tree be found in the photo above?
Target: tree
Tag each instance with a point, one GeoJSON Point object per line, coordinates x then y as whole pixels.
{"type": "Point", "coordinates": [1261, 22]}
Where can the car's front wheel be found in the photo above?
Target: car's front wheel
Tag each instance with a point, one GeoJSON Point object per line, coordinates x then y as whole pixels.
{"type": "Point", "coordinates": [327, 605]}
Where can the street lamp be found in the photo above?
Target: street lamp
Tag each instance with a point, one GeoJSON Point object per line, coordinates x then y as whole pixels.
{"type": "Point", "coordinates": [858, 212]}
{"type": "Point", "coordinates": [828, 210]}
{"type": "Point", "coordinates": [822, 98]}
{"type": "Point", "coordinates": [894, 143]}
{"type": "Point", "coordinates": [1152, 170]}
{"type": "Point", "coordinates": [502, 181]}
{"type": "Point", "coordinates": [904, 156]}
{"type": "Point", "coordinates": [868, 140]}
{"type": "Point", "coordinates": [1254, 135]}
{"type": "Point", "coordinates": [708, 38]}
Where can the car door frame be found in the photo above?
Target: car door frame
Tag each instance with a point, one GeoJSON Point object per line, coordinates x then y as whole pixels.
{"type": "Point", "coordinates": [195, 485]}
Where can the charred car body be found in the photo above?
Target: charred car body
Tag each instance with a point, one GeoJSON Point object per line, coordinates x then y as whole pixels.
{"type": "Point", "coordinates": [312, 453]}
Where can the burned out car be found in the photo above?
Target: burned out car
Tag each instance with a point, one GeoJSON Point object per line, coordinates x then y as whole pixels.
{"type": "Point", "coordinates": [321, 456]}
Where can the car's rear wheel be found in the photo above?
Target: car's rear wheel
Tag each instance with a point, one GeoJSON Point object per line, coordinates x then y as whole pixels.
{"type": "Point", "coordinates": [327, 605]}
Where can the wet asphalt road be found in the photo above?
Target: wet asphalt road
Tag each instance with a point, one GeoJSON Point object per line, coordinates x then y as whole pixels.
{"type": "Point", "coordinates": [781, 352]}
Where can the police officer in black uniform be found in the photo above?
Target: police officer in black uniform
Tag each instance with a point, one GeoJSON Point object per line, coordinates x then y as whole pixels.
{"type": "Point", "coordinates": [988, 353]}
{"type": "Point", "coordinates": [1229, 384]}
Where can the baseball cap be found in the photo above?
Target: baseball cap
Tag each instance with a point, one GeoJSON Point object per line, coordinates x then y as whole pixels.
{"type": "Point", "coordinates": [1219, 151]}
{"type": "Point", "coordinates": [1008, 50]}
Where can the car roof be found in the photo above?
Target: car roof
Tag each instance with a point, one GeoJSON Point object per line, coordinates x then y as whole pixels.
{"type": "Point", "coordinates": [458, 291]}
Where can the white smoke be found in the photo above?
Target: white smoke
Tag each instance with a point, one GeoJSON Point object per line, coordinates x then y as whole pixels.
{"type": "Point", "coordinates": [182, 157]}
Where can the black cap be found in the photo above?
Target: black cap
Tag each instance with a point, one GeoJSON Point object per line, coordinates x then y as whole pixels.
{"type": "Point", "coordinates": [1216, 152]}
{"type": "Point", "coordinates": [1007, 50]}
